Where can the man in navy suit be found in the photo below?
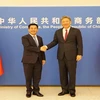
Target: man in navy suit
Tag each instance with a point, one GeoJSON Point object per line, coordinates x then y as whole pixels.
{"type": "Point", "coordinates": [70, 50]}
{"type": "Point", "coordinates": [32, 59]}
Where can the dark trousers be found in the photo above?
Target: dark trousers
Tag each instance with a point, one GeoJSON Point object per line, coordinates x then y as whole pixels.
{"type": "Point", "coordinates": [32, 74]}
{"type": "Point", "coordinates": [67, 69]}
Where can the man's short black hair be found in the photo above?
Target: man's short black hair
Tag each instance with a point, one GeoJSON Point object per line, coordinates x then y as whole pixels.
{"type": "Point", "coordinates": [32, 24]}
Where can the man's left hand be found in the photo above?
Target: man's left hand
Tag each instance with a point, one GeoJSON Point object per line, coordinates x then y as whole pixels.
{"type": "Point", "coordinates": [43, 62]}
{"type": "Point", "coordinates": [79, 57]}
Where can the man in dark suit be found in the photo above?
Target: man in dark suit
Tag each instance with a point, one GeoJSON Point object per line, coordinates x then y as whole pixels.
{"type": "Point", "coordinates": [33, 59]}
{"type": "Point", "coordinates": [70, 50]}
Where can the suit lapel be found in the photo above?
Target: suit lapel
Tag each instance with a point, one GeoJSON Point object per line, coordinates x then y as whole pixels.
{"type": "Point", "coordinates": [31, 40]}
{"type": "Point", "coordinates": [61, 34]}
{"type": "Point", "coordinates": [69, 32]}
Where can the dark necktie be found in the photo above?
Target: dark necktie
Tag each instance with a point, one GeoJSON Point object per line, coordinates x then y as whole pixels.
{"type": "Point", "coordinates": [66, 34]}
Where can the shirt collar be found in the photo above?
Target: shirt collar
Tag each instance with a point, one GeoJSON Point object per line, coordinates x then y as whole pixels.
{"type": "Point", "coordinates": [32, 35]}
{"type": "Point", "coordinates": [67, 29]}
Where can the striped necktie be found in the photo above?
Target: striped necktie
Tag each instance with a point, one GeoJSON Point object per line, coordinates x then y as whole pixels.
{"type": "Point", "coordinates": [36, 41]}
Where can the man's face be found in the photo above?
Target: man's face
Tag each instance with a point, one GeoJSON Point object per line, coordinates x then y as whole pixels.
{"type": "Point", "coordinates": [66, 23]}
{"type": "Point", "coordinates": [33, 29]}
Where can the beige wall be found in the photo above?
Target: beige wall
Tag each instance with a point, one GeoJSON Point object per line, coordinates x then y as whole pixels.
{"type": "Point", "coordinates": [49, 2]}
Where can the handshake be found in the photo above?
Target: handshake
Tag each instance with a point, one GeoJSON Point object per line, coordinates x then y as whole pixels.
{"type": "Point", "coordinates": [43, 48]}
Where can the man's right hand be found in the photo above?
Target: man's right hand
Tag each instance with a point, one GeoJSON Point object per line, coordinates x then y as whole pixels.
{"type": "Point", "coordinates": [43, 48]}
